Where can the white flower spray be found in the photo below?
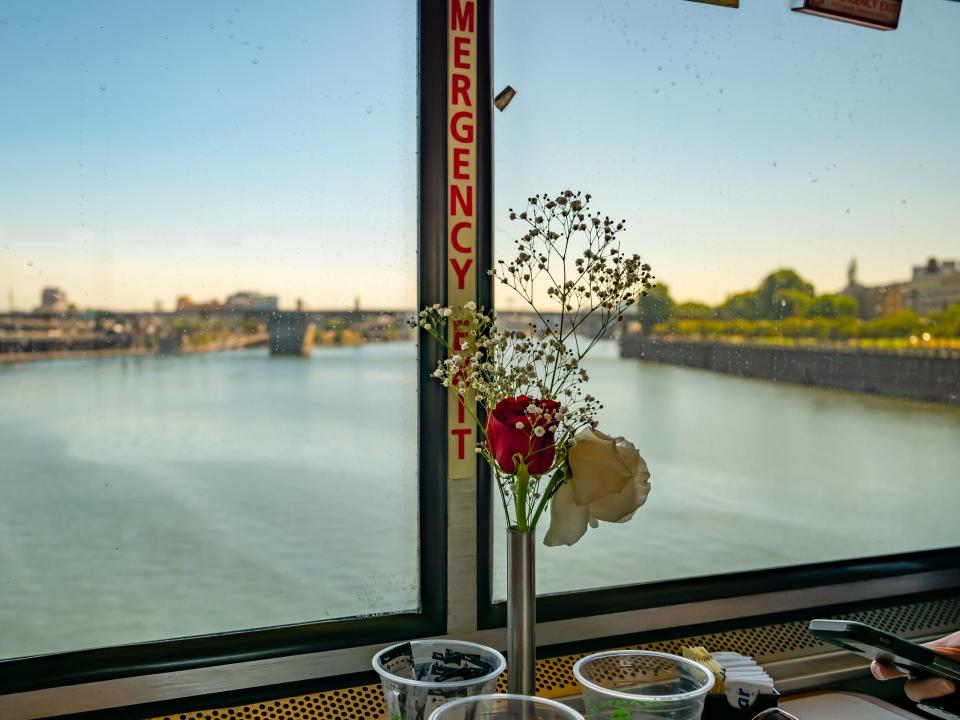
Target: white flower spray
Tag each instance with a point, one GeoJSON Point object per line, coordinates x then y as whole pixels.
{"type": "Point", "coordinates": [569, 255]}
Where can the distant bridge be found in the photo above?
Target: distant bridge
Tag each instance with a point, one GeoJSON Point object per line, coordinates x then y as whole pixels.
{"type": "Point", "coordinates": [291, 333]}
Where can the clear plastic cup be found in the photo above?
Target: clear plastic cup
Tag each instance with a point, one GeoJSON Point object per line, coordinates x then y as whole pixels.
{"type": "Point", "coordinates": [519, 707]}
{"type": "Point", "coordinates": [409, 699]}
{"type": "Point", "coordinates": [642, 685]}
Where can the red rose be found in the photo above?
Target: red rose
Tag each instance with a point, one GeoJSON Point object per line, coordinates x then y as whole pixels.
{"type": "Point", "coordinates": [511, 430]}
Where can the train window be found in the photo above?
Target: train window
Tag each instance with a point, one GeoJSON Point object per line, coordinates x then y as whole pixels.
{"type": "Point", "coordinates": [792, 382]}
{"type": "Point", "coordinates": [208, 388]}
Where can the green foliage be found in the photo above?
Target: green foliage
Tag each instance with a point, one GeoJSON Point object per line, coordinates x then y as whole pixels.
{"type": "Point", "coordinates": [789, 303]}
{"type": "Point", "coordinates": [744, 306]}
{"type": "Point", "coordinates": [693, 311]}
{"type": "Point", "coordinates": [904, 324]}
{"type": "Point", "coordinates": [781, 294]}
{"type": "Point", "coordinates": [947, 323]}
{"type": "Point", "coordinates": [655, 307]}
{"type": "Point", "coordinates": [832, 306]}
{"type": "Point", "coordinates": [786, 306]}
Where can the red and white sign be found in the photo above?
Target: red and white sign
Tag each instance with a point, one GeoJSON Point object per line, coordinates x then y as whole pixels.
{"type": "Point", "coordinates": [879, 14]}
{"type": "Point", "coordinates": [461, 209]}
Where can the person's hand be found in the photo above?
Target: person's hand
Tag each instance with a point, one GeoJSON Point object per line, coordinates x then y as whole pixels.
{"type": "Point", "coordinates": [926, 688]}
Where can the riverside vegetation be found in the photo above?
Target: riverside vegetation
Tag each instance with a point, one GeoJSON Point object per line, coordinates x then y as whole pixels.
{"type": "Point", "coordinates": [785, 309]}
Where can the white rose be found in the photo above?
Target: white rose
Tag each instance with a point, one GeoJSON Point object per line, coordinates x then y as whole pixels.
{"type": "Point", "coordinates": [609, 481]}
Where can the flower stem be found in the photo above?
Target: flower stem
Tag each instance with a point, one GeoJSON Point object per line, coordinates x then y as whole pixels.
{"type": "Point", "coordinates": [520, 497]}
{"type": "Point", "coordinates": [555, 480]}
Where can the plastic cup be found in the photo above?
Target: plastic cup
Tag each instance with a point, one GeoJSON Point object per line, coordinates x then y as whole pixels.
{"type": "Point", "coordinates": [409, 699]}
{"type": "Point", "coordinates": [642, 685]}
{"type": "Point", "coordinates": [519, 707]}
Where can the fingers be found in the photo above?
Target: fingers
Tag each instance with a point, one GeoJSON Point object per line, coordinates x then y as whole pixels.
{"type": "Point", "coordinates": [950, 642]}
{"type": "Point", "coordinates": [951, 652]}
{"type": "Point", "coordinates": [928, 688]}
{"type": "Point", "coordinates": [885, 672]}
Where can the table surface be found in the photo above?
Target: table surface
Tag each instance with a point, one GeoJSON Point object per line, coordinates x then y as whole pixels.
{"type": "Point", "coordinates": [849, 706]}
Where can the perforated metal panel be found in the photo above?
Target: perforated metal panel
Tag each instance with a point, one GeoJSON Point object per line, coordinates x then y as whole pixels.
{"type": "Point", "coordinates": [766, 643]}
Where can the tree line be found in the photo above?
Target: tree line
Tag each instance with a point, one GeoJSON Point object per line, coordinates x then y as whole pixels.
{"type": "Point", "coordinates": [786, 305]}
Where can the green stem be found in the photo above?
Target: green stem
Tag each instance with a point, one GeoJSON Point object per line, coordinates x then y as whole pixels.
{"type": "Point", "coordinates": [555, 480]}
{"type": "Point", "coordinates": [520, 496]}
{"type": "Point", "coordinates": [500, 492]}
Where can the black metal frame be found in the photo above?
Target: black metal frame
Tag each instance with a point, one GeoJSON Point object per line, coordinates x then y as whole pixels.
{"type": "Point", "coordinates": [69, 668]}
{"type": "Point", "coordinates": [587, 603]}
{"type": "Point", "coordinates": [485, 258]}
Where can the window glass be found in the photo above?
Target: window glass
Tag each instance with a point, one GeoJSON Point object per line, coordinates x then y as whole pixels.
{"type": "Point", "coordinates": [791, 181]}
{"type": "Point", "coordinates": [179, 179]}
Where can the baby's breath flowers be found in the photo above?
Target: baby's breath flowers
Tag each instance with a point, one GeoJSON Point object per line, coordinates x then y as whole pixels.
{"type": "Point", "coordinates": [530, 384]}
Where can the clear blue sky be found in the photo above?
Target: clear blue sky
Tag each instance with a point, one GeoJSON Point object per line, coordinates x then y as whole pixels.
{"type": "Point", "coordinates": [736, 141]}
{"type": "Point", "coordinates": [153, 149]}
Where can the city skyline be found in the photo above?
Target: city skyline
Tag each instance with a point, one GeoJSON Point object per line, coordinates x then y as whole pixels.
{"type": "Point", "coordinates": [163, 150]}
{"type": "Point", "coordinates": [509, 303]}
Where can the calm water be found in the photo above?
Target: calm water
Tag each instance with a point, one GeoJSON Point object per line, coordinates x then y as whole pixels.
{"type": "Point", "coordinates": [146, 498]}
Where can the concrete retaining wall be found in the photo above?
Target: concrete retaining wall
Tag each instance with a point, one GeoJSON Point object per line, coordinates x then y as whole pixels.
{"type": "Point", "coordinates": [918, 376]}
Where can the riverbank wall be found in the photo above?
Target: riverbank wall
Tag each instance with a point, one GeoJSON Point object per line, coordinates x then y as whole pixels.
{"type": "Point", "coordinates": [917, 375]}
{"type": "Point", "coordinates": [166, 348]}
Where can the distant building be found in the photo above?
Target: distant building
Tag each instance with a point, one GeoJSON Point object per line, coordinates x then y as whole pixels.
{"type": "Point", "coordinates": [186, 304]}
{"type": "Point", "coordinates": [932, 288]}
{"type": "Point", "coordinates": [248, 300]}
{"type": "Point", "coordinates": [53, 300]}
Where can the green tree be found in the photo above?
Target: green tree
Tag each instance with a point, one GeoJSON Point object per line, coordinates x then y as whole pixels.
{"type": "Point", "coordinates": [783, 293]}
{"type": "Point", "coordinates": [654, 308]}
{"type": "Point", "coordinates": [832, 306]}
{"type": "Point", "coordinates": [946, 324]}
{"type": "Point", "coordinates": [903, 324]}
{"type": "Point", "coordinates": [789, 303]}
{"type": "Point", "coordinates": [693, 311]}
{"type": "Point", "coordinates": [740, 306]}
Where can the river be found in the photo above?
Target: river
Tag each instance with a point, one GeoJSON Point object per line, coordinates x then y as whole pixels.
{"type": "Point", "coordinates": [144, 498]}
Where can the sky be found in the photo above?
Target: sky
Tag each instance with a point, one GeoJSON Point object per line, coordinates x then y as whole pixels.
{"type": "Point", "coordinates": [153, 150]}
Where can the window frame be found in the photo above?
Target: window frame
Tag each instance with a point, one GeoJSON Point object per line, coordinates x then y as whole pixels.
{"type": "Point", "coordinates": [704, 589]}
{"type": "Point", "coordinates": [56, 670]}
{"type": "Point", "coordinates": [163, 671]}
{"type": "Point", "coordinates": [844, 581]}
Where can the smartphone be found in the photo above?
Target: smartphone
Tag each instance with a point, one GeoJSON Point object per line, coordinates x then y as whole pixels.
{"type": "Point", "coordinates": [869, 642]}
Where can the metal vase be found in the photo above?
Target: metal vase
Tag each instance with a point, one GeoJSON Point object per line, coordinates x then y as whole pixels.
{"type": "Point", "coordinates": [521, 612]}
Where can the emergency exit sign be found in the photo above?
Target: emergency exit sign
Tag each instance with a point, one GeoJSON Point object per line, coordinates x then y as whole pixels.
{"type": "Point", "coordinates": [878, 14]}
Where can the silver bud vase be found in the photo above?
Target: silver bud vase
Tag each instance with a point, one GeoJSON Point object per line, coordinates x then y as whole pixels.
{"type": "Point", "coordinates": [521, 612]}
